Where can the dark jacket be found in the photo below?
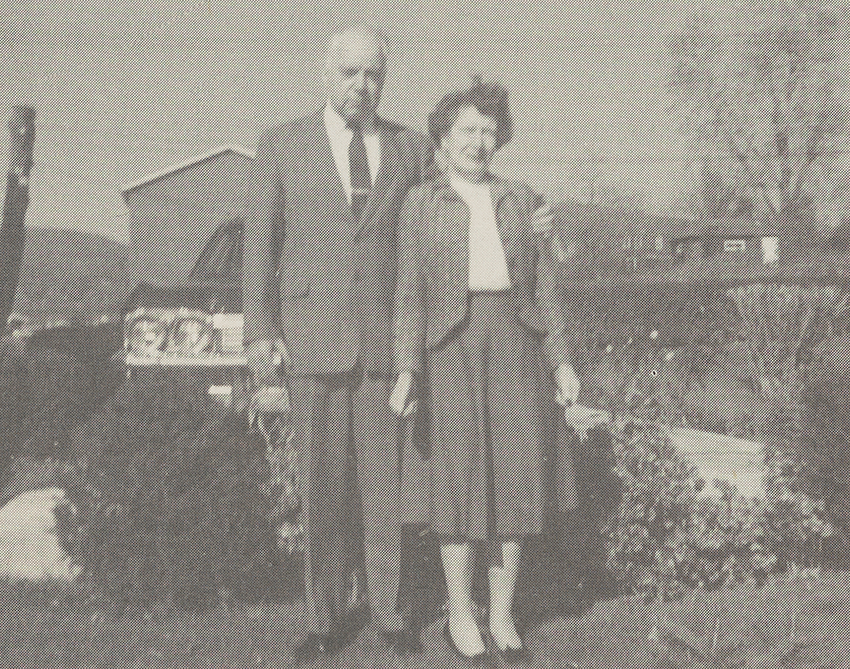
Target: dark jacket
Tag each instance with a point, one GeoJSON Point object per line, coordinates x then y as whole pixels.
{"type": "Point", "coordinates": [311, 273]}
{"type": "Point", "coordinates": [433, 278]}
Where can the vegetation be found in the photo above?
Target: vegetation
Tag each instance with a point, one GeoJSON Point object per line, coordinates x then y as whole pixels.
{"type": "Point", "coordinates": [764, 111]}
{"type": "Point", "coordinates": [821, 450]}
{"type": "Point", "coordinates": [70, 276]}
{"type": "Point", "coordinates": [172, 500]}
{"type": "Point", "coordinates": [173, 519]}
{"type": "Point", "coordinates": [174, 497]}
{"type": "Point", "coordinates": [665, 536]}
{"type": "Point", "coordinates": [796, 620]}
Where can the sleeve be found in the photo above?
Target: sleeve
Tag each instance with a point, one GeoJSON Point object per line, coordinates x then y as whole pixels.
{"type": "Point", "coordinates": [549, 298]}
{"type": "Point", "coordinates": [409, 312]}
{"type": "Point", "coordinates": [264, 230]}
{"type": "Point", "coordinates": [427, 166]}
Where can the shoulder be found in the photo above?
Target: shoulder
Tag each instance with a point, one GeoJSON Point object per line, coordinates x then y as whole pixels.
{"type": "Point", "coordinates": [407, 137]}
{"type": "Point", "coordinates": [517, 192]}
{"type": "Point", "coordinates": [420, 193]}
{"type": "Point", "coordinates": [418, 199]}
{"type": "Point", "coordinates": [416, 140]}
{"type": "Point", "coordinates": [519, 189]}
{"type": "Point", "coordinates": [289, 131]}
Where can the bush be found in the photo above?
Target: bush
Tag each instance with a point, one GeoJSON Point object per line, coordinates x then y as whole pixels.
{"type": "Point", "coordinates": [666, 536]}
{"type": "Point", "coordinates": [172, 499]}
{"type": "Point", "coordinates": [790, 332]}
{"type": "Point", "coordinates": [45, 390]}
{"type": "Point", "coordinates": [819, 457]}
{"type": "Point", "coordinates": [13, 394]}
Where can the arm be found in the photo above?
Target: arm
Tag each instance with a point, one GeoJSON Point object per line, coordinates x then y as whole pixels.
{"type": "Point", "coordinates": [263, 233]}
{"type": "Point", "coordinates": [549, 298]}
{"type": "Point", "coordinates": [409, 312]}
{"type": "Point", "coordinates": [425, 158]}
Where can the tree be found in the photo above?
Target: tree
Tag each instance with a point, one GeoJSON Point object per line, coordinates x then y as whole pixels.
{"type": "Point", "coordinates": [764, 108]}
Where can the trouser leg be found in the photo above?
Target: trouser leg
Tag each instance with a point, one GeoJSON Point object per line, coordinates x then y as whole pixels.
{"type": "Point", "coordinates": [376, 435]}
{"type": "Point", "coordinates": [321, 421]}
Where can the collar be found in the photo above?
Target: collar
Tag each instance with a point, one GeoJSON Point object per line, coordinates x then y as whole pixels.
{"type": "Point", "coordinates": [462, 185]}
{"type": "Point", "coordinates": [337, 125]}
{"type": "Point", "coordinates": [499, 188]}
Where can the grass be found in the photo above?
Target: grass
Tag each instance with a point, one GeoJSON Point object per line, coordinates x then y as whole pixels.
{"type": "Point", "coordinates": [795, 620]}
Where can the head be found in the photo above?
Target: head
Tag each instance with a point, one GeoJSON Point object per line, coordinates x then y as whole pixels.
{"type": "Point", "coordinates": [353, 75]}
{"type": "Point", "coordinates": [469, 126]}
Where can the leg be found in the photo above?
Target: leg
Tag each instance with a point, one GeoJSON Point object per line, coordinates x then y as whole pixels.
{"type": "Point", "coordinates": [321, 417]}
{"type": "Point", "coordinates": [502, 582]}
{"type": "Point", "coordinates": [457, 563]}
{"type": "Point", "coordinates": [378, 477]}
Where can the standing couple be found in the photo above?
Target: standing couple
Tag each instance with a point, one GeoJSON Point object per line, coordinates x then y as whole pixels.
{"type": "Point", "coordinates": [395, 286]}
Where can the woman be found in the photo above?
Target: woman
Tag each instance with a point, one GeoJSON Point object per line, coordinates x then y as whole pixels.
{"type": "Point", "coordinates": [478, 323]}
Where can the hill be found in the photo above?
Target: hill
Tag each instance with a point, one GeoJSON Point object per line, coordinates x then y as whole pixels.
{"type": "Point", "coordinates": [70, 275]}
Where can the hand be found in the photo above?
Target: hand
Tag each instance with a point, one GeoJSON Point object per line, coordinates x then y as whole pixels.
{"type": "Point", "coordinates": [261, 361]}
{"type": "Point", "coordinates": [542, 220]}
{"type": "Point", "coordinates": [583, 419]}
{"type": "Point", "coordinates": [568, 384]}
{"type": "Point", "coordinates": [270, 400]}
{"type": "Point", "coordinates": [402, 402]}
{"type": "Point", "coordinates": [269, 409]}
{"type": "Point", "coordinates": [282, 359]}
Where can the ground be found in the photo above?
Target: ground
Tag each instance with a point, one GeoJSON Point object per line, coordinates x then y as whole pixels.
{"type": "Point", "coordinates": [795, 620]}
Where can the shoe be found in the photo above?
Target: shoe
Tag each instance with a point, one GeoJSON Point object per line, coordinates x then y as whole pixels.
{"type": "Point", "coordinates": [509, 655]}
{"type": "Point", "coordinates": [471, 660]}
{"type": "Point", "coordinates": [314, 646]}
{"type": "Point", "coordinates": [318, 645]}
{"type": "Point", "coordinates": [404, 642]}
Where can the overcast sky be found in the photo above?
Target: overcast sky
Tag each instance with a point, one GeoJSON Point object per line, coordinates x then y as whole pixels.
{"type": "Point", "coordinates": [123, 89]}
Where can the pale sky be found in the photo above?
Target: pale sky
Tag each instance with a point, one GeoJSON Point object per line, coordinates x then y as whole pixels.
{"type": "Point", "coordinates": [124, 89]}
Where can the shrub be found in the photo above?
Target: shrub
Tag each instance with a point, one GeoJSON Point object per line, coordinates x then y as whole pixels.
{"type": "Point", "coordinates": [790, 332]}
{"type": "Point", "coordinates": [616, 313]}
{"type": "Point", "coordinates": [818, 459]}
{"type": "Point", "coordinates": [56, 386]}
{"type": "Point", "coordinates": [779, 324]}
{"type": "Point", "coordinates": [666, 536]}
{"type": "Point", "coordinates": [172, 500]}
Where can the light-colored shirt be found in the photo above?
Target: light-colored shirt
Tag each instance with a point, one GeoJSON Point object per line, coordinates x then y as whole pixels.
{"type": "Point", "coordinates": [339, 136]}
{"type": "Point", "coordinates": [488, 268]}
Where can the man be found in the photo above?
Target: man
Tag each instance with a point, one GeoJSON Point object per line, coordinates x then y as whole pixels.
{"type": "Point", "coordinates": [318, 283]}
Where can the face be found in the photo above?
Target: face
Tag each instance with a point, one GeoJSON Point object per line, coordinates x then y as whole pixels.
{"type": "Point", "coordinates": [470, 144]}
{"type": "Point", "coordinates": [354, 76]}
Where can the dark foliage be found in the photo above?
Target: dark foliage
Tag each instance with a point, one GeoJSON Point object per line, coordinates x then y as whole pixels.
{"type": "Point", "coordinates": [51, 382]}
{"type": "Point", "coordinates": [172, 500]}
{"type": "Point", "coordinates": [821, 454]}
{"type": "Point", "coordinates": [12, 397]}
{"type": "Point", "coordinates": [70, 275]}
{"type": "Point", "coordinates": [618, 313]}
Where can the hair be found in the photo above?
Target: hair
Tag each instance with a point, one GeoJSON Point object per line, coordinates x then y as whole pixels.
{"type": "Point", "coordinates": [490, 98]}
{"type": "Point", "coordinates": [361, 30]}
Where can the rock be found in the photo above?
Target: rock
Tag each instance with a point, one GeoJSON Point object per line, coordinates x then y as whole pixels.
{"type": "Point", "coordinates": [718, 457]}
{"type": "Point", "coordinates": [29, 541]}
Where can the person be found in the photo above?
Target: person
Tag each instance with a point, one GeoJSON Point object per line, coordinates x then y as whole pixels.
{"type": "Point", "coordinates": [477, 299]}
{"type": "Point", "coordinates": [318, 282]}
